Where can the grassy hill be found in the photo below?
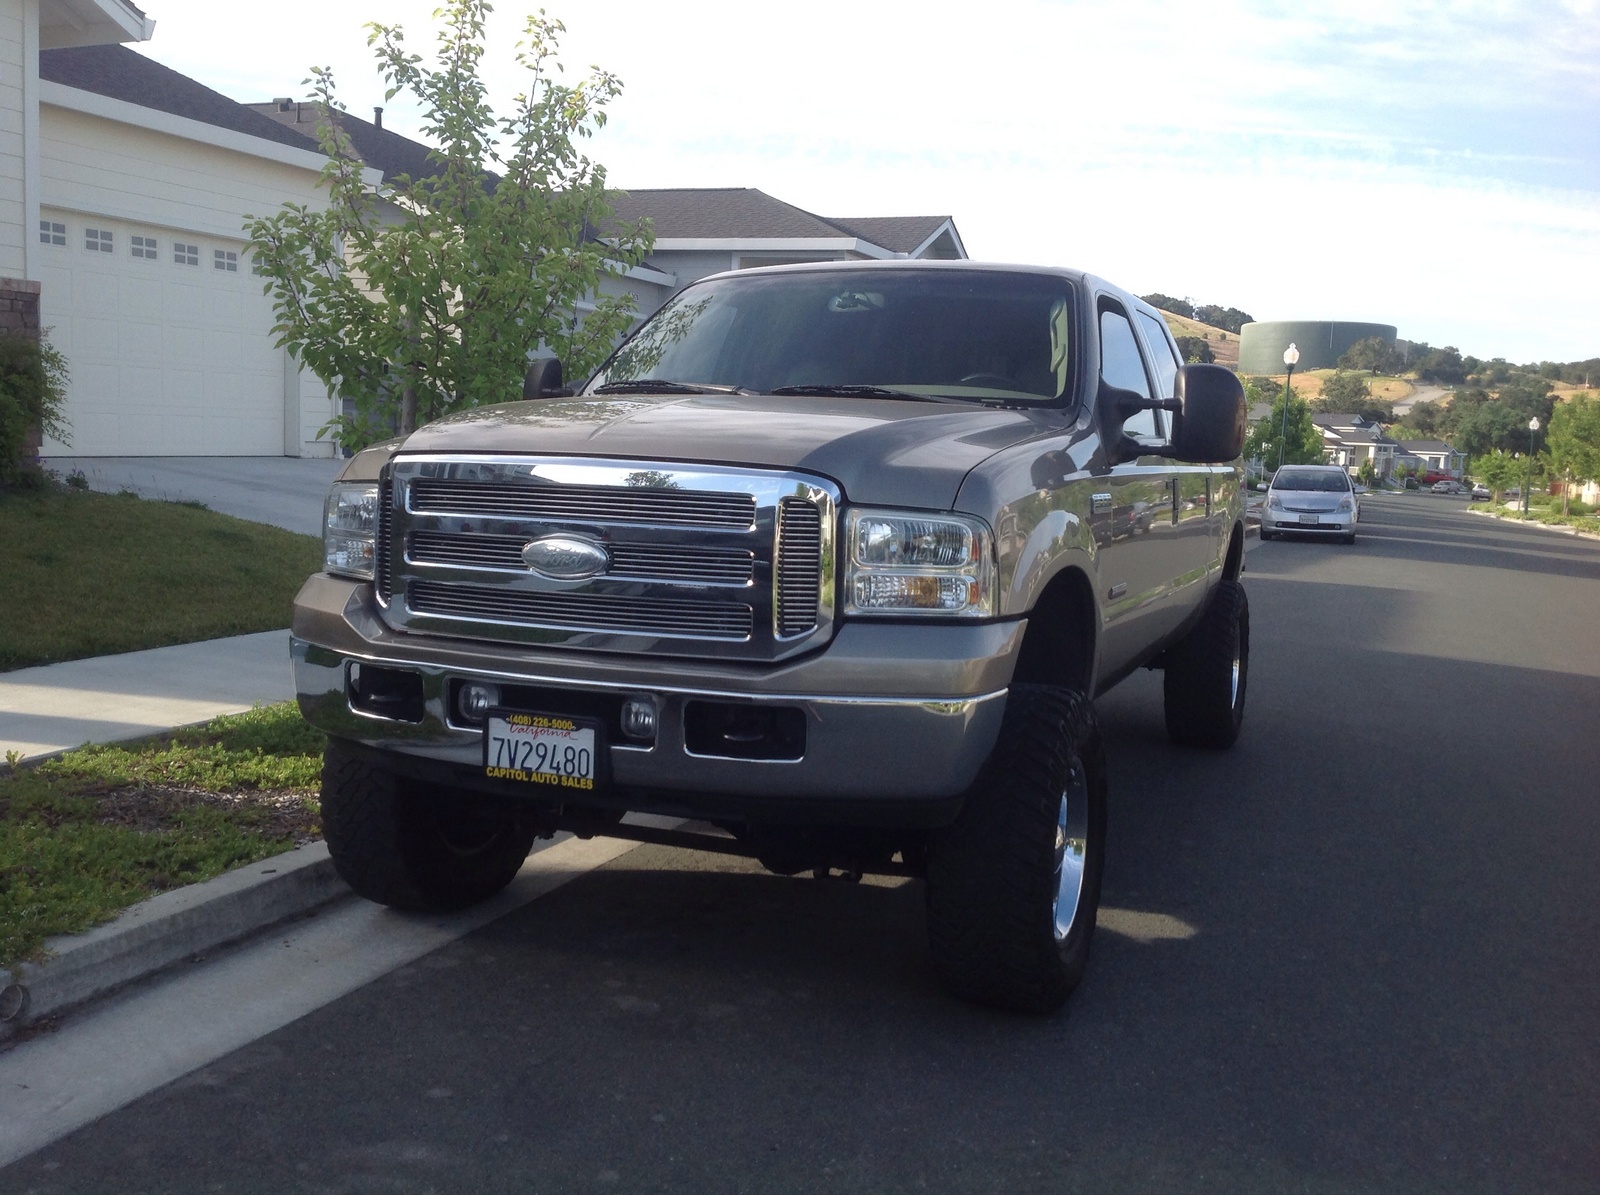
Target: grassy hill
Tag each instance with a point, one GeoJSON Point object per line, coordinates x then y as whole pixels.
{"type": "Point", "coordinates": [1224, 344]}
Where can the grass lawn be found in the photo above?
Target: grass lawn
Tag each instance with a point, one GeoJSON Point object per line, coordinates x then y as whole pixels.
{"type": "Point", "coordinates": [88, 833]}
{"type": "Point", "coordinates": [87, 574]}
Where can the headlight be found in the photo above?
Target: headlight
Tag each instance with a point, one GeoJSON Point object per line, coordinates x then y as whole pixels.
{"type": "Point", "coordinates": [1275, 503]}
{"type": "Point", "coordinates": [350, 529]}
{"type": "Point", "coordinates": [901, 563]}
{"type": "Point", "coordinates": [1347, 504]}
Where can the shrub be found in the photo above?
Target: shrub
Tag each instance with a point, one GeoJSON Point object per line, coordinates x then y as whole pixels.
{"type": "Point", "coordinates": [33, 389]}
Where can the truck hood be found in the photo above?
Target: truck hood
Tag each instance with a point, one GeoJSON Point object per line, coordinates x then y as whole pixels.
{"type": "Point", "coordinates": [881, 451]}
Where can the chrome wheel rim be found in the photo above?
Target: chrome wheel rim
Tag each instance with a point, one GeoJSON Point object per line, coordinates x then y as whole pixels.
{"type": "Point", "coordinates": [1072, 845]}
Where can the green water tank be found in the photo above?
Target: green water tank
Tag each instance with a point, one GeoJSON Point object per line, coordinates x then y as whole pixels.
{"type": "Point", "coordinates": [1321, 342]}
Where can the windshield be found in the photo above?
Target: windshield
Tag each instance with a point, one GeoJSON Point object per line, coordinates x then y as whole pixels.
{"type": "Point", "coordinates": [1326, 480]}
{"type": "Point", "coordinates": [922, 333]}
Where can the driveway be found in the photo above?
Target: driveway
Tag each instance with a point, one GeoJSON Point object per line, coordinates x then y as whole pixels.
{"type": "Point", "coordinates": [285, 491]}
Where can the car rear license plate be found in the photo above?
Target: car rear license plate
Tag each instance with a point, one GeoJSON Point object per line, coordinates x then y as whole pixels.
{"type": "Point", "coordinates": [544, 749]}
{"type": "Point", "coordinates": [1309, 519]}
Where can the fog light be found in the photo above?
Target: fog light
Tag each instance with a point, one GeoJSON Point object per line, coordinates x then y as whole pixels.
{"type": "Point", "coordinates": [639, 718]}
{"type": "Point", "coordinates": [474, 700]}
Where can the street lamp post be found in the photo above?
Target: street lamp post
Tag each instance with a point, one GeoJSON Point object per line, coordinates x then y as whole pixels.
{"type": "Point", "coordinates": [1533, 426]}
{"type": "Point", "coordinates": [1290, 356]}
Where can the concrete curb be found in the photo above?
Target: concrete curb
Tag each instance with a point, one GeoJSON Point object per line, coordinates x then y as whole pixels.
{"type": "Point", "coordinates": [168, 929]}
{"type": "Point", "coordinates": [1560, 529]}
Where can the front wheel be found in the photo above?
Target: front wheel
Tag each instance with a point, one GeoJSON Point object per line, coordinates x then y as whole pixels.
{"type": "Point", "coordinates": [416, 846]}
{"type": "Point", "coordinates": [1014, 883]}
{"type": "Point", "coordinates": [1206, 673]}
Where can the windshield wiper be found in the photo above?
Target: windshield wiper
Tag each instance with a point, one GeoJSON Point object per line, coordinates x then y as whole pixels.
{"type": "Point", "coordinates": [821, 391]}
{"type": "Point", "coordinates": [661, 386]}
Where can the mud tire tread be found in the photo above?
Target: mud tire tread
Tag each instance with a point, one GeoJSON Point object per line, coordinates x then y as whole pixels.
{"type": "Point", "coordinates": [991, 874]}
{"type": "Point", "coordinates": [389, 843]}
{"type": "Point", "coordinates": [1200, 708]}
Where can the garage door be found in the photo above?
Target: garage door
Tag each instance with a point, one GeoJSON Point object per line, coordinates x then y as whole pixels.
{"type": "Point", "coordinates": [168, 339]}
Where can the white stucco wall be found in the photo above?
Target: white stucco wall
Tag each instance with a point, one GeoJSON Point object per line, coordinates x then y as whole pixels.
{"type": "Point", "coordinates": [168, 358]}
{"type": "Point", "coordinates": [13, 98]}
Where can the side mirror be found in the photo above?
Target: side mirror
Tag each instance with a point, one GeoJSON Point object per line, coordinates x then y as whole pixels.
{"type": "Point", "coordinates": [1208, 423]}
{"type": "Point", "coordinates": [1116, 406]}
{"type": "Point", "coordinates": [544, 379]}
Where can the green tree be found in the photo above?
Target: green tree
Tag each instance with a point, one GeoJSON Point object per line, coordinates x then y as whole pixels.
{"type": "Point", "coordinates": [1195, 348]}
{"type": "Point", "coordinates": [1498, 470]}
{"type": "Point", "coordinates": [33, 390]}
{"type": "Point", "coordinates": [1303, 443]}
{"type": "Point", "coordinates": [429, 295]}
{"type": "Point", "coordinates": [1344, 391]}
{"type": "Point", "coordinates": [1367, 472]}
{"type": "Point", "coordinates": [1373, 353]}
{"type": "Point", "coordinates": [1574, 443]}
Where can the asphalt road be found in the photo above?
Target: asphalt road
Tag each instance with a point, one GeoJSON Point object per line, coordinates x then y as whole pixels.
{"type": "Point", "coordinates": [1357, 953]}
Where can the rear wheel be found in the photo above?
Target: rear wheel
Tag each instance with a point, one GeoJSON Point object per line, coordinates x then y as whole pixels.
{"type": "Point", "coordinates": [1206, 673]}
{"type": "Point", "coordinates": [416, 846]}
{"type": "Point", "coordinates": [1014, 882]}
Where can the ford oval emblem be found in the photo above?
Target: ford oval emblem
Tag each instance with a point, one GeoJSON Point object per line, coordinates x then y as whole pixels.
{"type": "Point", "coordinates": [566, 557]}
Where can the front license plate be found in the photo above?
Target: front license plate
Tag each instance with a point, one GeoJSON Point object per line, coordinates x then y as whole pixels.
{"type": "Point", "coordinates": [543, 749]}
{"type": "Point", "coordinates": [1309, 519]}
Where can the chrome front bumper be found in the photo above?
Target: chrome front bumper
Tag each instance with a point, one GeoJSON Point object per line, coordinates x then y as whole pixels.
{"type": "Point", "coordinates": [892, 712]}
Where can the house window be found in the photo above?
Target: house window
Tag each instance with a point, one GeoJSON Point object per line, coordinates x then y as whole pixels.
{"type": "Point", "coordinates": [255, 265]}
{"type": "Point", "coordinates": [185, 255]}
{"type": "Point", "coordinates": [144, 247]}
{"type": "Point", "coordinates": [51, 233]}
{"type": "Point", "coordinates": [97, 240]}
{"type": "Point", "coordinates": [225, 259]}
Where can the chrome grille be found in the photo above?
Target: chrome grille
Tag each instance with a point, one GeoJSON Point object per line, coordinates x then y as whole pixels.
{"type": "Point", "coordinates": [585, 612]}
{"type": "Point", "coordinates": [383, 557]}
{"type": "Point", "coordinates": [799, 580]}
{"type": "Point", "coordinates": [607, 504]}
{"type": "Point", "coordinates": [691, 563]}
{"type": "Point", "coordinates": [705, 560]}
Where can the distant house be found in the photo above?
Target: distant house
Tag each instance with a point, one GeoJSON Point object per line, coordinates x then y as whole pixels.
{"type": "Point", "coordinates": [1348, 440]}
{"type": "Point", "coordinates": [1432, 456]}
{"type": "Point", "coordinates": [705, 230]}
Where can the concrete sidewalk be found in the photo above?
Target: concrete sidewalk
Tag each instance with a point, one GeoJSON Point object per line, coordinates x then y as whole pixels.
{"type": "Point", "coordinates": [282, 490]}
{"type": "Point", "coordinates": [55, 707]}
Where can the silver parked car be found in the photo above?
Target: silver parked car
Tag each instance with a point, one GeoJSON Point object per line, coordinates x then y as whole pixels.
{"type": "Point", "coordinates": [1311, 499]}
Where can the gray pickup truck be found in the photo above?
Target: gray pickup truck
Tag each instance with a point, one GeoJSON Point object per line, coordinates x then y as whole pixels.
{"type": "Point", "coordinates": [828, 562]}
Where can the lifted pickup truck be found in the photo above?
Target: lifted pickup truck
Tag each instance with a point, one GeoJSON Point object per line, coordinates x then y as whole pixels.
{"type": "Point", "coordinates": [829, 560]}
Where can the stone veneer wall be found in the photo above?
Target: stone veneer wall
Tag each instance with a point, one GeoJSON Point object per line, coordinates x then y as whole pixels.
{"type": "Point", "coordinates": [19, 314]}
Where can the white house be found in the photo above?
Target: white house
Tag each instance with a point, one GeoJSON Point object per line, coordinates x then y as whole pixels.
{"type": "Point", "coordinates": [1432, 456]}
{"type": "Point", "coordinates": [1349, 440]}
{"type": "Point", "coordinates": [135, 183]}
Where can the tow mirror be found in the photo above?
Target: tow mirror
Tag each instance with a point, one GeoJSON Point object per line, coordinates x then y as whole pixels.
{"type": "Point", "coordinates": [1208, 421]}
{"type": "Point", "coordinates": [544, 379]}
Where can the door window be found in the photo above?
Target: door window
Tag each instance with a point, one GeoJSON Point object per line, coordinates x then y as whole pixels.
{"type": "Point", "coordinates": [1121, 366]}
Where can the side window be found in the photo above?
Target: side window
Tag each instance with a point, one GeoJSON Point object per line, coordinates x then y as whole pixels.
{"type": "Point", "coordinates": [1120, 365]}
{"type": "Point", "coordinates": [1163, 356]}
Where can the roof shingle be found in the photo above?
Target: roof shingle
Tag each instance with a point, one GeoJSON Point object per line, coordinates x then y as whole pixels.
{"type": "Point", "coordinates": [121, 74]}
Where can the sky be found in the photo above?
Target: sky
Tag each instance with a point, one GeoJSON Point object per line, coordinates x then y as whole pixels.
{"type": "Point", "coordinates": [1435, 166]}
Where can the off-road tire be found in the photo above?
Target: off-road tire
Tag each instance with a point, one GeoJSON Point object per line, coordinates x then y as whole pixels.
{"type": "Point", "coordinates": [994, 874]}
{"type": "Point", "coordinates": [1208, 671]}
{"type": "Point", "coordinates": [415, 846]}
